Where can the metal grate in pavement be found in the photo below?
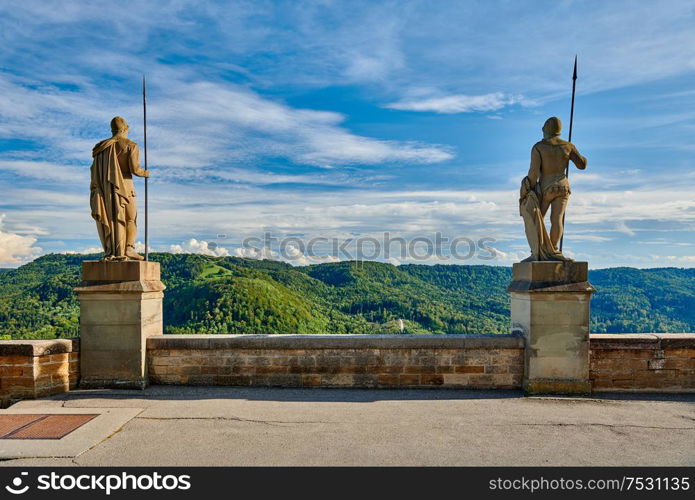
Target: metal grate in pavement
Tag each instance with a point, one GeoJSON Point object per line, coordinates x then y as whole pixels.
{"type": "Point", "coordinates": [41, 426]}
{"type": "Point", "coordinates": [10, 423]}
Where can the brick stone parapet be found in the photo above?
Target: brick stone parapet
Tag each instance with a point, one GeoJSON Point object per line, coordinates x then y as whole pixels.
{"type": "Point", "coordinates": [642, 362]}
{"type": "Point", "coordinates": [619, 363]}
{"type": "Point", "coordinates": [36, 368]}
{"type": "Point", "coordinates": [470, 361]}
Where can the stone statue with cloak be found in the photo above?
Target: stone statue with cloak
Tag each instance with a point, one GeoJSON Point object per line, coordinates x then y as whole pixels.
{"type": "Point", "coordinates": [112, 192]}
{"type": "Point", "coordinates": [546, 187]}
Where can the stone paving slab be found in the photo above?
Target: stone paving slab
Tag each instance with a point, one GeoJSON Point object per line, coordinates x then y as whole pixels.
{"type": "Point", "coordinates": [107, 422]}
{"type": "Point", "coordinates": [265, 426]}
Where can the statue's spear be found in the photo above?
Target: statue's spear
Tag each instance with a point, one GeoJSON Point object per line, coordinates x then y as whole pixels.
{"type": "Point", "coordinates": [567, 168]}
{"type": "Point", "coordinates": [144, 121]}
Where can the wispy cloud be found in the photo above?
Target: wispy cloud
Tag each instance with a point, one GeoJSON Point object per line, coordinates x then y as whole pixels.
{"type": "Point", "coordinates": [43, 170]}
{"type": "Point", "coordinates": [621, 227]}
{"type": "Point", "coordinates": [459, 103]}
{"type": "Point", "coordinates": [682, 259]}
{"type": "Point", "coordinates": [218, 119]}
{"type": "Point", "coordinates": [196, 123]}
{"type": "Point", "coordinates": [271, 115]}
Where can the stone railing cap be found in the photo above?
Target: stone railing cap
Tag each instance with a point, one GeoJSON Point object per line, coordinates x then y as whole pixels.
{"type": "Point", "coordinates": [38, 347]}
{"type": "Point", "coordinates": [655, 340]}
{"type": "Point", "coordinates": [333, 341]}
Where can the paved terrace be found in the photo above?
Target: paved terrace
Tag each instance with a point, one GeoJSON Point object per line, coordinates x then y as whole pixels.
{"type": "Point", "coordinates": [262, 426]}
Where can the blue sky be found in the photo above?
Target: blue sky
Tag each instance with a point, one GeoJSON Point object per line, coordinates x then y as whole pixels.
{"type": "Point", "coordinates": [347, 119]}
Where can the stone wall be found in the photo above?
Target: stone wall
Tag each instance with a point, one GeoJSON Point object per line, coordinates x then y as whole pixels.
{"type": "Point", "coordinates": [642, 362]}
{"type": "Point", "coordinates": [36, 368]}
{"type": "Point", "coordinates": [470, 361]}
{"type": "Point", "coordinates": [618, 363]}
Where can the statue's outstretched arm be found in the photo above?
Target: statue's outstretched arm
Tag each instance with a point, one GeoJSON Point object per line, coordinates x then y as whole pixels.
{"type": "Point", "coordinates": [135, 162]}
{"type": "Point", "coordinates": [578, 160]}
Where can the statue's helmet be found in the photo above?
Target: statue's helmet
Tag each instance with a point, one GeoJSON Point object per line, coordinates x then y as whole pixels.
{"type": "Point", "coordinates": [552, 127]}
{"type": "Point", "coordinates": [118, 124]}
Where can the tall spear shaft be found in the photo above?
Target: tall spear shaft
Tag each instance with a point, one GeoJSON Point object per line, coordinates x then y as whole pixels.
{"type": "Point", "coordinates": [567, 168]}
{"type": "Point", "coordinates": [144, 121]}
{"type": "Point", "coordinates": [574, 89]}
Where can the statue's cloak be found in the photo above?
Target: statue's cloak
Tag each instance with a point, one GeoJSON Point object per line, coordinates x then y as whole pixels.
{"type": "Point", "coordinates": [108, 198]}
{"type": "Point", "coordinates": [536, 233]}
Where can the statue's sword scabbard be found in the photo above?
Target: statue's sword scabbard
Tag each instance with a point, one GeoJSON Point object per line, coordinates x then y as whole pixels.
{"type": "Point", "coordinates": [144, 121]}
{"type": "Point", "coordinates": [567, 168]}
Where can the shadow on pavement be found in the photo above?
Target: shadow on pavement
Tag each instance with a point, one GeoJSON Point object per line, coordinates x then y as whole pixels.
{"type": "Point", "coordinates": [321, 395]}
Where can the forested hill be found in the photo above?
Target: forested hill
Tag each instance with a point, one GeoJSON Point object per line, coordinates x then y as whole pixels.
{"type": "Point", "coordinates": [233, 295]}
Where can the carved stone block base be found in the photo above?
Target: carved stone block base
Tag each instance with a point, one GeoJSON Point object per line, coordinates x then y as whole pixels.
{"type": "Point", "coordinates": [120, 307]}
{"type": "Point", "coordinates": [550, 307]}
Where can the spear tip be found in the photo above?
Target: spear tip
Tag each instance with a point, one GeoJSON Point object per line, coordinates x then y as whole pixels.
{"type": "Point", "coordinates": [574, 75]}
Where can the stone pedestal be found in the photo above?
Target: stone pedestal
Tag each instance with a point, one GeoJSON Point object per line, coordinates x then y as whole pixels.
{"type": "Point", "coordinates": [550, 307]}
{"type": "Point", "coordinates": [120, 306]}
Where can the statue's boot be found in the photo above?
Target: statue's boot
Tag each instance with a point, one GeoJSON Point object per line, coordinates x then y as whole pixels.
{"type": "Point", "coordinates": [131, 230]}
{"type": "Point", "coordinates": [132, 254]}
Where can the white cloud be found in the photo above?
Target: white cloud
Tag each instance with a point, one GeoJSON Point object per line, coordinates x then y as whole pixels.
{"type": "Point", "coordinates": [453, 50]}
{"type": "Point", "coordinates": [192, 124]}
{"type": "Point", "coordinates": [219, 120]}
{"type": "Point", "coordinates": [296, 257]}
{"type": "Point", "coordinates": [592, 216]}
{"type": "Point", "coordinates": [578, 235]}
{"type": "Point", "coordinates": [507, 258]}
{"type": "Point", "coordinates": [682, 259]}
{"type": "Point", "coordinates": [458, 103]}
{"type": "Point", "coordinates": [14, 248]}
{"type": "Point", "coordinates": [223, 120]}
{"type": "Point", "coordinates": [621, 227]}
{"type": "Point", "coordinates": [200, 247]}
{"type": "Point", "coordinates": [84, 251]}
{"type": "Point", "coordinates": [256, 253]}
{"type": "Point", "coordinates": [45, 170]}
{"type": "Point", "coordinates": [390, 44]}
{"type": "Point", "coordinates": [89, 250]}
{"type": "Point", "coordinates": [290, 254]}
{"type": "Point", "coordinates": [140, 247]}
{"type": "Point", "coordinates": [181, 211]}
